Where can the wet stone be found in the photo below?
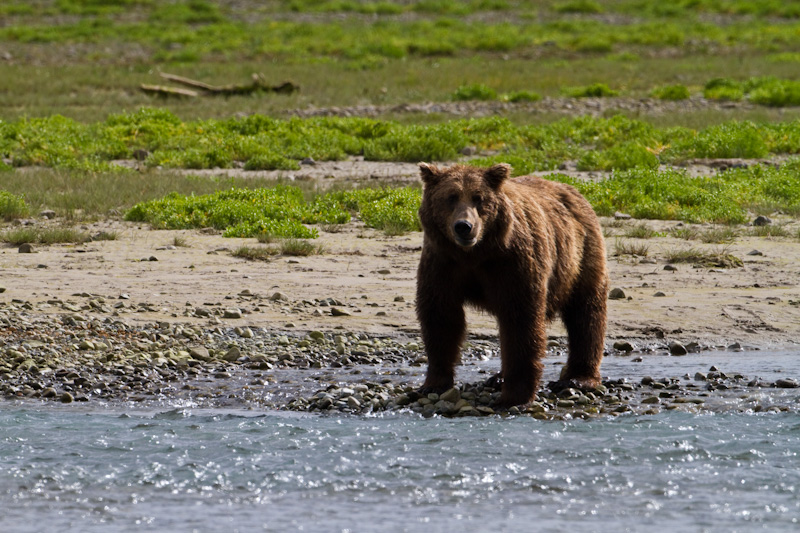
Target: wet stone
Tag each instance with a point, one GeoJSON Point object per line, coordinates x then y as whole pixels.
{"type": "Point", "coordinates": [623, 346]}
{"type": "Point", "coordinates": [676, 348]}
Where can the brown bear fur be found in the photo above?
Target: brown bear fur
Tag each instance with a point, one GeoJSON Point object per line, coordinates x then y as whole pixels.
{"type": "Point", "coordinates": [523, 249]}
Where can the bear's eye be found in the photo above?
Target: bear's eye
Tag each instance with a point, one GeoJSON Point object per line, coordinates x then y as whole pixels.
{"type": "Point", "coordinates": [452, 199]}
{"type": "Point", "coordinates": [477, 199]}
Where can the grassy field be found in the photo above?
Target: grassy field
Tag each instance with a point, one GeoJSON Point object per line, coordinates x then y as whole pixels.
{"type": "Point", "coordinates": [70, 103]}
{"type": "Point", "coordinates": [85, 59]}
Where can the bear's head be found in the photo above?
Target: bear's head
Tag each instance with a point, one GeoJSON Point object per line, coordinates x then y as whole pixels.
{"type": "Point", "coordinates": [461, 202]}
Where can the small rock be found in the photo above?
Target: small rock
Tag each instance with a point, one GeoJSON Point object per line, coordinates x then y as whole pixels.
{"type": "Point", "coordinates": [787, 383]}
{"type": "Point", "coordinates": [623, 346]}
{"type": "Point", "coordinates": [755, 252]}
{"type": "Point", "coordinates": [86, 345]}
{"type": "Point", "coordinates": [621, 216]}
{"type": "Point", "coordinates": [337, 311]}
{"type": "Point", "coordinates": [2, 289]}
{"type": "Point", "coordinates": [762, 220]}
{"type": "Point", "coordinates": [469, 150]}
{"type": "Point", "coordinates": [693, 347]}
{"type": "Point", "coordinates": [316, 335]}
{"type": "Point", "coordinates": [279, 297]}
{"type": "Point", "coordinates": [670, 268]}
{"type": "Point", "coordinates": [200, 353]}
{"type": "Point", "coordinates": [353, 403]}
{"type": "Point", "coordinates": [49, 392]}
{"type": "Point", "coordinates": [246, 333]}
{"type": "Point", "coordinates": [66, 397]}
{"type": "Point", "coordinates": [232, 355]}
{"type": "Point", "coordinates": [659, 294]}
{"type": "Point", "coordinates": [48, 214]}
{"type": "Point", "coordinates": [399, 299]}
{"type": "Point", "coordinates": [651, 399]}
{"type": "Point", "coordinates": [26, 248]}
{"type": "Point", "coordinates": [384, 271]}
{"type": "Point", "coordinates": [232, 313]}
{"type": "Point", "coordinates": [452, 395]}
{"type": "Point", "coordinates": [616, 294]}
{"type": "Point", "coordinates": [676, 348]}
{"type": "Point", "coordinates": [308, 161]}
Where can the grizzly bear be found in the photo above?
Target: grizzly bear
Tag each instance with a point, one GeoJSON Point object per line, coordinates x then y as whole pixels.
{"type": "Point", "coordinates": [523, 249]}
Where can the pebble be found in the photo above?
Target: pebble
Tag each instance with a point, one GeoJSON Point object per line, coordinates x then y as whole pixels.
{"type": "Point", "coordinates": [26, 248]}
{"type": "Point", "coordinates": [338, 311]}
{"type": "Point", "coordinates": [232, 313]}
{"type": "Point", "coordinates": [670, 268]}
{"type": "Point", "coordinates": [218, 365]}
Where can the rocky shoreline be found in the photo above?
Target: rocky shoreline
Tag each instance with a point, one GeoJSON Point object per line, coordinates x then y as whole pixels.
{"type": "Point", "coordinates": [82, 357]}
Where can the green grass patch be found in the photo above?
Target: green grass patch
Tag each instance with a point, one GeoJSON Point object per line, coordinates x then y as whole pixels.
{"type": "Point", "coordinates": [622, 248]}
{"type": "Point", "coordinates": [255, 253]}
{"type": "Point", "coordinates": [258, 142]}
{"type": "Point", "coordinates": [521, 96]}
{"type": "Point", "coordinates": [12, 206]}
{"type": "Point", "coordinates": [722, 235]}
{"type": "Point", "coordinates": [720, 258]}
{"type": "Point", "coordinates": [300, 247]}
{"type": "Point", "coordinates": [671, 92]}
{"type": "Point", "coordinates": [687, 233]}
{"type": "Point", "coordinates": [595, 90]}
{"type": "Point", "coordinates": [769, 231]}
{"type": "Point", "coordinates": [475, 91]}
{"type": "Point", "coordinates": [281, 212]}
{"type": "Point", "coordinates": [33, 235]}
{"type": "Point", "coordinates": [641, 231]}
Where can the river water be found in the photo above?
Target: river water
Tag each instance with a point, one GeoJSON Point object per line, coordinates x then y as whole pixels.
{"type": "Point", "coordinates": [72, 468]}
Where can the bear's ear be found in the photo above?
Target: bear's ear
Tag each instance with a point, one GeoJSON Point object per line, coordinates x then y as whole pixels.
{"type": "Point", "coordinates": [496, 174]}
{"type": "Point", "coordinates": [428, 173]}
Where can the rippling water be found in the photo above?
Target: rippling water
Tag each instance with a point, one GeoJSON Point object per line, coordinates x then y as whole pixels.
{"type": "Point", "coordinates": [181, 470]}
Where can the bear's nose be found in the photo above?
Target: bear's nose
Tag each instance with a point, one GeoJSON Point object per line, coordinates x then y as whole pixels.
{"type": "Point", "coordinates": [463, 228]}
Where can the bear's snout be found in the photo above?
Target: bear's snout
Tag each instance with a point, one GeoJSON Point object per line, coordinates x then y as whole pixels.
{"type": "Point", "coordinates": [463, 229]}
{"type": "Point", "coordinates": [465, 233]}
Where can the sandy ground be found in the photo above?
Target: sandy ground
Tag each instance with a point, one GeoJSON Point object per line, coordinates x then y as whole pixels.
{"type": "Point", "coordinates": [372, 278]}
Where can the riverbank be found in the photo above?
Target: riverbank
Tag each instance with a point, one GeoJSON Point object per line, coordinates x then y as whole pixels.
{"type": "Point", "coordinates": [139, 319]}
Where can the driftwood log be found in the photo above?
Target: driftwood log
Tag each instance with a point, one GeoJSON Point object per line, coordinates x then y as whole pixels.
{"type": "Point", "coordinates": [258, 84]}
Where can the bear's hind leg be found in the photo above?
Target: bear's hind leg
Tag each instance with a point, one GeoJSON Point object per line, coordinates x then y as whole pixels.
{"type": "Point", "coordinates": [585, 319]}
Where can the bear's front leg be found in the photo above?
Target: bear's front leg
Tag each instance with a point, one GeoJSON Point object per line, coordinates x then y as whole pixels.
{"type": "Point", "coordinates": [443, 325]}
{"type": "Point", "coordinates": [523, 342]}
